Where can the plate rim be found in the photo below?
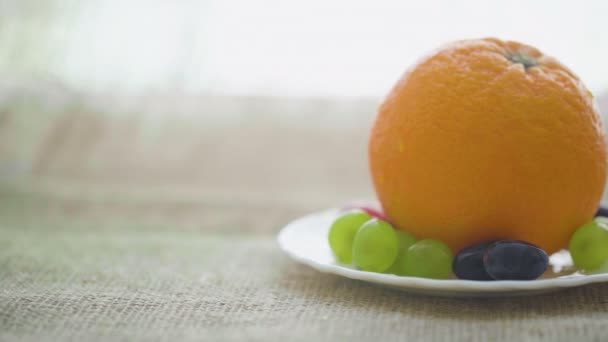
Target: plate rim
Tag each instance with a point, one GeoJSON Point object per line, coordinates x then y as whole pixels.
{"type": "Point", "coordinates": [404, 282]}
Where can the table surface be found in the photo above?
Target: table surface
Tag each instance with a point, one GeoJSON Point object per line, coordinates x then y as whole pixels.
{"type": "Point", "coordinates": [133, 228]}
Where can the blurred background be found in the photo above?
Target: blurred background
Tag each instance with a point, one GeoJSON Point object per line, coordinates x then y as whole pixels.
{"type": "Point", "coordinates": [233, 102]}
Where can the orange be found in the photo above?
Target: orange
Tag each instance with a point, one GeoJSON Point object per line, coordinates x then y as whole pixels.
{"type": "Point", "coordinates": [488, 139]}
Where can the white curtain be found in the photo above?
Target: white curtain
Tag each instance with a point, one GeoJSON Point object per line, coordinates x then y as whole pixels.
{"type": "Point", "coordinates": [277, 47]}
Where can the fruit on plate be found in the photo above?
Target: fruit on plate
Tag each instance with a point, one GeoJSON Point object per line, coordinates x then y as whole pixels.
{"type": "Point", "coordinates": [342, 233]}
{"type": "Point", "coordinates": [468, 263]}
{"type": "Point", "coordinates": [375, 247]}
{"type": "Point", "coordinates": [589, 246]}
{"type": "Point", "coordinates": [514, 260]}
{"type": "Point", "coordinates": [501, 260]}
{"type": "Point", "coordinates": [426, 259]}
{"type": "Point", "coordinates": [488, 139]}
{"type": "Point", "coordinates": [601, 212]}
{"type": "Point", "coordinates": [405, 241]}
{"type": "Point", "coordinates": [370, 210]}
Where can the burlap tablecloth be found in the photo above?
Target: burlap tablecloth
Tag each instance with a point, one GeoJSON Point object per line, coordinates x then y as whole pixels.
{"type": "Point", "coordinates": [133, 228]}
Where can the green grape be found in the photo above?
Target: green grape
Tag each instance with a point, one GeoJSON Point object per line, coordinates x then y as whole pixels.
{"type": "Point", "coordinates": [428, 259]}
{"type": "Point", "coordinates": [405, 241]}
{"type": "Point", "coordinates": [589, 246]}
{"type": "Point", "coordinates": [342, 233]}
{"type": "Point", "coordinates": [375, 247]}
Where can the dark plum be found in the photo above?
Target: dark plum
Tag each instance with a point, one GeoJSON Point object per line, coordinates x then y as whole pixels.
{"type": "Point", "coordinates": [515, 260]}
{"type": "Point", "coordinates": [602, 211]}
{"type": "Point", "coordinates": [468, 263]}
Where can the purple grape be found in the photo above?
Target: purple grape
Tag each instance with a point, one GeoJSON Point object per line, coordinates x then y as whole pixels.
{"type": "Point", "coordinates": [468, 263]}
{"type": "Point", "coordinates": [515, 260]}
{"type": "Point", "coordinates": [602, 211]}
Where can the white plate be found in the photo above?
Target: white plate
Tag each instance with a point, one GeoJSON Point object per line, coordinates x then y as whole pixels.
{"type": "Point", "coordinates": [305, 241]}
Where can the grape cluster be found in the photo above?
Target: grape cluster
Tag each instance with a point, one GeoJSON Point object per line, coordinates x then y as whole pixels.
{"type": "Point", "coordinates": [501, 260]}
{"type": "Point", "coordinates": [371, 244]}
{"type": "Point", "coordinates": [363, 238]}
